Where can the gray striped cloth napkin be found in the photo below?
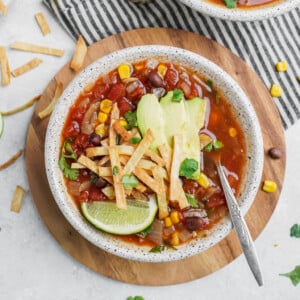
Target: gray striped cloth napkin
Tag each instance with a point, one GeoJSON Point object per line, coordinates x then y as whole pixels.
{"type": "Point", "coordinates": [259, 44]}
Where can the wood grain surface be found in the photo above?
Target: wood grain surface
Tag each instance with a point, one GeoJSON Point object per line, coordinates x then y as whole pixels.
{"type": "Point", "coordinates": [171, 272]}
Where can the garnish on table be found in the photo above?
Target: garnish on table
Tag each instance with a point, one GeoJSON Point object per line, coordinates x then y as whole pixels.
{"type": "Point", "coordinates": [293, 275]}
{"type": "Point", "coordinates": [135, 298]}
{"type": "Point", "coordinates": [295, 231]}
{"type": "Point", "coordinates": [214, 145]}
{"type": "Point", "coordinates": [68, 152]}
{"type": "Point", "coordinates": [17, 200]}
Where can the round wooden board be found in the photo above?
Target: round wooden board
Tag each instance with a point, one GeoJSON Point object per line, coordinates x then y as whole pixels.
{"type": "Point", "coordinates": [178, 271]}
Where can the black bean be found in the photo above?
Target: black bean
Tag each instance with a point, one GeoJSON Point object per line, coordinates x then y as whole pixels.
{"type": "Point", "coordinates": [194, 223]}
{"type": "Point", "coordinates": [275, 153]}
{"type": "Point", "coordinates": [95, 139]}
{"type": "Point", "coordinates": [155, 79]}
{"type": "Point", "coordinates": [100, 182]}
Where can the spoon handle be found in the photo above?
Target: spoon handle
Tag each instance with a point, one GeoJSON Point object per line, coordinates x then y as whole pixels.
{"type": "Point", "coordinates": [241, 228]}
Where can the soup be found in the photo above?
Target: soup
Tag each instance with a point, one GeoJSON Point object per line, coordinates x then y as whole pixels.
{"type": "Point", "coordinates": [167, 124]}
{"type": "Point", "coordinates": [243, 3]}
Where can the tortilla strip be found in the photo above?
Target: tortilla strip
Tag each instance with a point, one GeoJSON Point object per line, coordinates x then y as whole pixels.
{"type": "Point", "coordinates": [104, 150]}
{"type": "Point", "coordinates": [103, 160]}
{"type": "Point", "coordinates": [26, 67]}
{"type": "Point", "coordinates": [42, 22]}
{"type": "Point", "coordinates": [155, 158]}
{"type": "Point", "coordinates": [114, 116]}
{"type": "Point", "coordinates": [143, 176]}
{"type": "Point", "coordinates": [11, 160]}
{"type": "Point", "coordinates": [5, 69]}
{"type": "Point", "coordinates": [3, 8]}
{"type": "Point", "coordinates": [36, 48]}
{"type": "Point", "coordinates": [139, 152]}
{"type": "Point", "coordinates": [22, 107]}
{"type": "Point", "coordinates": [176, 190]}
{"type": "Point", "coordinates": [204, 140]}
{"type": "Point", "coordinates": [88, 163]}
{"type": "Point", "coordinates": [75, 165]}
{"type": "Point", "coordinates": [104, 171]}
{"type": "Point", "coordinates": [117, 177]}
{"type": "Point", "coordinates": [166, 154]}
{"type": "Point", "coordinates": [161, 194]}
{"type": "Point", "coordinates": [79, 55]}
{"type": "Point", "coordinates": [48, 110]}
{"type": "Point", "coordinates": [126, 136]}
{"type": "Point", "coordinates": [17, 200]}
{"type": "Point", "coordinates": [109, 192]}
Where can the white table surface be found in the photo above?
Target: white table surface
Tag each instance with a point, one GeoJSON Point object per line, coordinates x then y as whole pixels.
{"type": "Point", "coordinates": [33, 265]}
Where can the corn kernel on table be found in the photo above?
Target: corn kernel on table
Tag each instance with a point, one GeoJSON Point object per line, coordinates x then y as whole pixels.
{"type": "Point", "coordinates": [34, 266]}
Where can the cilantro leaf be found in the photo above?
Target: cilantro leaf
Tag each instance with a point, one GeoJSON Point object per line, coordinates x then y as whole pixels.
{"type": "Point", "coordinates": [295, 231]}
{"type": "Point", "coordinates": [188, 167]}
{"type": "Point", "coordinates": [115, 170]}
{"type": "Point", "coordinates": [135, 140]}
{"type": "Point", "coordinates": [135, 298]}
{"type": "Point", "coordinates": [293, 275]}
{"type": "Point", "coordinates": [68, 152]}
{"type": "Point", "coordinates": [129, 181]}
{"type": "Point", "coordinates": [214, 145]}
{"type": "Point", "coordinates": [230, 3]}
{"type": "Point", "coordinates": [145, 232]}
{"type": "Point", "coordinates": [131, 119]}
{"type": "Point", "coordinates": [209, 82]}
{"type": "Point", "coordinates": [177, 95]}
{"type": "Point", "coordinates": [192, 200]}
{"type": "Point", "coordinates": [160, 248]}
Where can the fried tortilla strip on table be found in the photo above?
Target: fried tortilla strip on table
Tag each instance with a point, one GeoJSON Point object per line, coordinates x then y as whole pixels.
{"type": "Point", "coordinates": [117, 177]}
{"type": "Point", "coordinates": [17, 200]}
{"type": "Point", "coordinates": [5, 69]}
{"type": "Point", "coordinates": [36, 48]}
{"type": "Point", "coordinates": [79, 55]}
{"type": "Point", "coordinates": [11, 160]}
{"type": "Point", "coordinates": [176, 190]}
{"type": "Point", "coordinates": [42, 22]}
{"type": "Point", "coordinates": [3, 8]}
{"type": "Point", "coordinates": [26, 67]}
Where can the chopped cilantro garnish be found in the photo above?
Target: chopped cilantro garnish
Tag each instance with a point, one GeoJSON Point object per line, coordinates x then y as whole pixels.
{"type": "Point", "coordinates": [115, 170]}
{"type": "Point", "coordinates": [214, 145]}
{"type": "Point", "coordinates": [135, 140]}
{"type": "Point", "coordinates": [129, 181]}
{"type": "Point", "coordinates": [145, 232]}
{"type": "Point", "coordinates": [209, 82]}
{"type": "Point", "coordinates": [295, 231]}
{"type": "Point", "coordinates": [177, 95]}
{"type": "Point", "coordinates": [160, 248]}
{"type": "Point", "coordinates": [293, 275]}
{"type": "Point", "coordinates": [131, 119]}
{"type": "Point", "coordinates": [188, 167]}
{"type": "Point", "coordinates": [230, 3]}
{"type": "Point", "coordinates": [68, 152]}
{"type": "Point", "coordinates": [192, 200]}
{"type": "Point", "coordinates": [135, 298]}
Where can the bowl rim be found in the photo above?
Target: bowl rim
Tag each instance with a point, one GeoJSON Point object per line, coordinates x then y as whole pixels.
{"type": "Point", "coordinates": [242, 15]}
{"type": "Point", "coordinates": [67, 206]}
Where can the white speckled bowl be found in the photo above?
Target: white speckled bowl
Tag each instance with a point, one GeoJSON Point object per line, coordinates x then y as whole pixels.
{"type": "Point", "coordinates": [243, 15]}
{"type": "Point", "coordinates": [243, 111]}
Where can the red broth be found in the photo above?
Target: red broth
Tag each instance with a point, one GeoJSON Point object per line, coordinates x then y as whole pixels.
{"type": "Point", "coordinates": [220, 125]}
{"type": "Point", "coordinates": [247, 4]}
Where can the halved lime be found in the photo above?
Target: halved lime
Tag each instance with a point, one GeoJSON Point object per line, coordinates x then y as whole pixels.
{"type": "Point", "coordinates": [106, 216]}
{"type": "Point", "coordinates": [1, 124]}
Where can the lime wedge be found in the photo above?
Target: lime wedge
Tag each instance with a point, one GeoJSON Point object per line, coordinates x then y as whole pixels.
{"type": "Point", "coordinates": [108, 217]}
{"type": "Point", "coordinates": [1, 124]}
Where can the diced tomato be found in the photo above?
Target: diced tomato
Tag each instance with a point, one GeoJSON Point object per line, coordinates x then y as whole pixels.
{"type": "Point", "coordinates": [215, 201]}
{"type": "Point", "coordinates": [72, 129]}
{"type": "Point", "coordinates": [84, 196]}
{"type": "Point", "coordinates": [117, 92]}
{"type": "Point", "coordinates": [78, 114]}
{"type": "Point", "coordinates": [125, 105]}
{"type": "Point", "coordinates": [101, 91]}
{"type": "Point", "coordinates": [171, 78]}
{"type": "Point", "coordinates": [82, 140]}
{"type": "Point", "coordinates": [96, 194]}
{"type": "Point", "coordinates": [194, 92]}
{"type": "Point", "coordinates": [137, 94]}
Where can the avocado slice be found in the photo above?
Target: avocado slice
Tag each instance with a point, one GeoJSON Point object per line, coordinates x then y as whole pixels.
{"type": "Point", "coordinates": [175, 117]}
{"type": "Point", "coordinates": [150, 115]}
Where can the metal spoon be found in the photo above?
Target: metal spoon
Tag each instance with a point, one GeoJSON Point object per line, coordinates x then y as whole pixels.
{"type": "Point", "coordinates": [240, 227]}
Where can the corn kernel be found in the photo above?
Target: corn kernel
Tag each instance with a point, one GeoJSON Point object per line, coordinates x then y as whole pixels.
{"type": "Point", "coordinates": [123, 122]}
{"type": "Point", "coordinates": [124, 71]}
{"type": "Point", "coordinates": [102, 117]}
{"type": "Point", "coordinates": [168, 222]}
{"type": "Point", "coordinates": [269, 186]}
{"type": "Point", "coordinates": [281, 66]}
{"type": "Point", "coordinates": [139, 66]}
{"type": "Point", "coordinates": [161, 70]}
{"type": "Point", "coordinates": [175, 239]}
{"type": "Point", "coordinates": [106, 105]}
{"type": "Point", "coordinates": [100, 130]}
{"type": "Point", "coordinates": [232, 132]}
{"type": "Point", "coordinates": [203, 180]}
{"type": "Point", "coordinates": [275, 90]}
{"type": "Point", "coordinates": [174, 217]}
